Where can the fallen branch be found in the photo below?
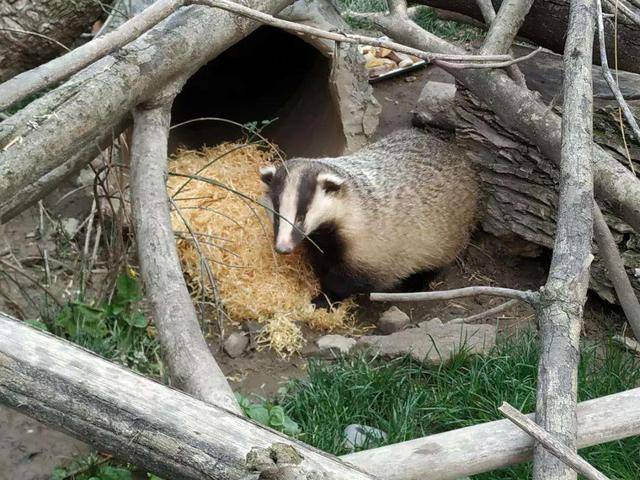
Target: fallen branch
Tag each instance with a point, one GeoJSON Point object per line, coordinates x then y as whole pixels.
{"type": "Point", "coordinates": [299, 28]}
{"type": "Point", "coordinates": [160, 429]}
{"type": "Point", "coordinates": [608, 251]}
{"type": "Point", "coordinates": [522, 295]}
{"type": "Point", "coordinates": [628, 343]}
{"type": "Point", "coordinates": [559, 313]}
{"type": "Point", "coordinates": [487, 313]}
{"type": "Point", "coordinates": [557, 448]}
{"type": "Point", "coordinates": [606, 73]}
{"type": "Point", "coordinates": [177, 436]}
{"type": "Point", "coordinates": [58, 69]}
{"type": "Point", "coordinates": [191, 365]}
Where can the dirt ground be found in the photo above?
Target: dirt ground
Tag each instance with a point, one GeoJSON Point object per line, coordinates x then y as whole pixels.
{"type": "Point", "coordinates": [29, 451]}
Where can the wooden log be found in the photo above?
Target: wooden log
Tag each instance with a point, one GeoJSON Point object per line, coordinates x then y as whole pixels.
{"type": "Point", "coordinates": [173, 434]}
{"type": "Point", "coordinates": [546, 25]}
{"type": "Point", "coordinates": [50, 130]}
{"type": "Point", "coordinates": [159, 429]}
{"type": "Point", "coordinates": [33, 32]}
{"type": "Point", "coordinates": [519, 182]}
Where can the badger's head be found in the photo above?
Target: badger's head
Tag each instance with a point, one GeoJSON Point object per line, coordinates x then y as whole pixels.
{"type": "Point", "coordinates": [304, 196]}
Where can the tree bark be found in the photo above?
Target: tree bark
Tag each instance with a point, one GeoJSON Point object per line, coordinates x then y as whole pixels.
{"type": "Point", "coordinates": [52, 129]}
{"type": "Point", "coordinates": [192, 368]}
{"type": "Point", "coordinates": [520, 184]}
{"type": "Point", "coordinates": [159, 429]}
{"type": "Point", "coordinates": [547, 23]}
{"type": "Point", "coordinates": [60, 20]}
{"type": "Point", "coordinates": [179, 437]}
{"type": "Point", "coordinates": [560, 308]}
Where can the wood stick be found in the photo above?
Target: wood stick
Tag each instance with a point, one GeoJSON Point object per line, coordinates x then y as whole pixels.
{"type": "Point", "coordinates": [191, 365]}
{"type": "Point", "coordinates": [560, 450]}
{"type": "Point", "coordinates": [606, 73]}
{"type": "Point", "coordinates": [559, 313]}
{"type": "Point", "coordinates": [160, 429]}
{"type": "Point", "coordinates": [343, 37]}
{"type": "Point", "coordinates": [525, 296]}
{"type": "Point", "coordinates": [616, 272]}
{"type": "Point", "coordinates": [60, 68]}
{"type": "Point", "coordinates": [488, 313]}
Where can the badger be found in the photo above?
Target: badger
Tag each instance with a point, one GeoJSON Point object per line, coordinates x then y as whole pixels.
{"type": "Point", "coordinates": [404, 205]}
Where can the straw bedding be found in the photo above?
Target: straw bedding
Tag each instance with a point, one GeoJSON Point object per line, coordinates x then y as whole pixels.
{"type": "Point", "coordinates": [234, 235]}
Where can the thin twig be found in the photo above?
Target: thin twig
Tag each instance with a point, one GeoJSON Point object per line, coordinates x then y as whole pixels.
{"type": "Point", "coordinates": [523, 295]}
{"type": "Point", "coordinates": [557, 448]}
{"type": "Point", "coordinates": [33, 281]}
{"type": "Point", "coordinates": [488, 313]}
{"type": "Point", "coordinates": [35, 34]}
{"type": "Point", "coordinates": [628, 343]}
{"type": "Point", "coordinates": [513, 61]}
{"type": "Point", "coordinates": [626, 10]}
{"type": "Point", "coordinates": [267, 19]}
{"type": "Point", "coordinates": [606, 73]}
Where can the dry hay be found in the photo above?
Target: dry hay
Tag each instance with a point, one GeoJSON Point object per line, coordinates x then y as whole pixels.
{"type": "Point", "coordinates": [234, 234]}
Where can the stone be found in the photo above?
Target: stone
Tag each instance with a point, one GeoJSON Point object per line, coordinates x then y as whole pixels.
{"type": "Point", "coordinates": [358, 436]}
{"type": "Point", "coordinates": [333, 345]}
{"type": "Point", "coordinates": [410, 79]}
{"type": "Point", "coordinates": [70, 226]}
{"type": "Point", "coordinates": [393, 320]}
{"type": "Point", "coordinates": [432, 341]}
{"type": "Point", "coordinates": [236, 344]}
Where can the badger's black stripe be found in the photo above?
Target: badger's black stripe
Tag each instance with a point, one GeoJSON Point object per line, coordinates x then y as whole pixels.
{"type": "Point", "coordinates": [306, 193]}
{"type": "Point", "coordinates": [275, 190]}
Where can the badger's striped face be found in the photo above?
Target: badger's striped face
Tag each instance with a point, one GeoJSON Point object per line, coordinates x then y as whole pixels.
{"type": "Point", "coordinates": [302, 199]}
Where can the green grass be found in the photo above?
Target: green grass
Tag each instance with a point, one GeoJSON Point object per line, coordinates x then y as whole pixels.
{"type": "Point", "coordinates": [425, 17]}
{"type": "Point", "coordinates": [116, 330]}
{"type": "Point", "coordinates": [408, 400]}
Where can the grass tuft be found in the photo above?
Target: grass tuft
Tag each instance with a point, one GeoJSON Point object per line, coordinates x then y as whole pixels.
{"type": "Point", "coordinates": [408, 400]}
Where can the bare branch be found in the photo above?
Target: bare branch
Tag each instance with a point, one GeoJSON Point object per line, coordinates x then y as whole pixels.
{"type": "Point", "coordinates": [525, 296]}
{"type": "Point", "coordinates": [488, 313]}
{"type": "Point", "coordinates": [58, 69]}
{"type": "Point", "coordinates": [564, 295]}
{"type": "Point", "coordinates": [504, 28]}
{"type": "Point", "coordinates": [628, 343]}
{"type": "Point", "coordinates": [487, 10]}
{"type": "Point", "coordinates": [610, 255]}
{"type": "Point", "coordinates": [267, 19]}
{"type": "Point", "coordinates": [606, 73]}
{"type": "Point", "coordinates": [190, 362]}
{"type": "Point", "coordinates": [509, 63]}
{"type": "Point", "coordinates": [625, 9]}
{"type": "Point", "coordinates": [557, 448]}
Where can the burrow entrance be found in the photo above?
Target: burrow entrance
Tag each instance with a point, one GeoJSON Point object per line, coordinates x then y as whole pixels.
{"type": "Point", "coordinates": [270, 74]}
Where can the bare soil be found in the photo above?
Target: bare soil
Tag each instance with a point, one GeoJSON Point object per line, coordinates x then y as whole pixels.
{"type": "Point", "coordinates": [29, 451]}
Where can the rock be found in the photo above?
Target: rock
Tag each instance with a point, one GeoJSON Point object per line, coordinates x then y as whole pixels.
{"type": "Point", "coordinates": [393, 320]}
{"type": "Point", "coordinates": [236, 344]}
{"type": "Point", "coordinates": [433, 341]}
{"type": "Point", "coordinates": [70, 226]}
{"type": "Point", "coordinates": [410, 78]}
{"type": "Point", "coordinates": [333, 345]}
{"type": "Point", "coordinates": [357, 436]}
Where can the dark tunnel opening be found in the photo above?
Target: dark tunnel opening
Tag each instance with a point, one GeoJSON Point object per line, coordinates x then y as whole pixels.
{"type": "Point", "coordinates": [270, 74]}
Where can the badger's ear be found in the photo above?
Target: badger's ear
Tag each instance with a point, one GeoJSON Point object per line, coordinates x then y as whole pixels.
{"type": "Point", "coordinates": [330, 182]}
{"type": "Point", "coordinates": [267, 173]}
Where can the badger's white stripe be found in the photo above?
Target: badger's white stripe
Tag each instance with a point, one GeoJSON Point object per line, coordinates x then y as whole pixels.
{"type": "Point", "coordinates": [288, 207]}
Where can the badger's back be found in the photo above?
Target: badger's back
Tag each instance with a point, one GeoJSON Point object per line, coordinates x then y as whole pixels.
{"type": "Point", "coordinates": [411, 206]}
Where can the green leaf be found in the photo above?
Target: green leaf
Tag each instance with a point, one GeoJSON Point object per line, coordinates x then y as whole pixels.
{"type": "Point", "coordinates": [136, 319]}
{"type": "Point", "coordinates": [114, 473]}
{"type": "Point", "coordinates": [127, 290]}
{"type": "Point", "coordinates": [258, 413]}
{"type": "Point", "coordinates": [276, 417]}
{"type": "Point", "coordinates": [290, 427]}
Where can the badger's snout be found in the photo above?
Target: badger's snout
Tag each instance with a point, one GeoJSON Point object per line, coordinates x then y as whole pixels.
{"type": "Point", "coordinates": [284, 247]}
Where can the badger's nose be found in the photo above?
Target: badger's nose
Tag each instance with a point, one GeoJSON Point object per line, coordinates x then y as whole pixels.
{"type": "Point", "coordinates": [284, 247]}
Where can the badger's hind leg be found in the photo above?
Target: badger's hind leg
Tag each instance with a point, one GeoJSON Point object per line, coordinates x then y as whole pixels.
{"type": "Point", "coordinates": [417, 282]}
{"type": "Point", "coordinates": [337, 284]}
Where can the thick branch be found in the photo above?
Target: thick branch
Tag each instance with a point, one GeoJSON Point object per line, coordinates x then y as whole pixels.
{"type": "Point", "coordinates": [158, 428]}
{"type": "Point", "coordinates": [505, 27]}
{"type": "Point", "coordinates": [191, 365]}
{"type": "Point", "coordinates": [523, 110]}
{"type": "Point", "coordinates": [560, 310]}
{"type": "Point", "coordinates": [560, 450]}
{"type": "Point", "coordinates": [608, 251]}
{"type": "Point", "coordinates": [58, 69]}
